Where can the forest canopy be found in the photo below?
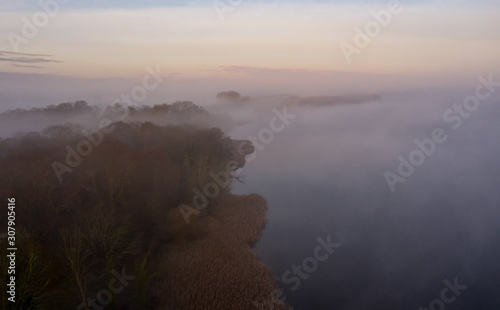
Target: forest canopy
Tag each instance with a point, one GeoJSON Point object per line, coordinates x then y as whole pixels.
{"type": "Point", "coordinates": [114, 206]}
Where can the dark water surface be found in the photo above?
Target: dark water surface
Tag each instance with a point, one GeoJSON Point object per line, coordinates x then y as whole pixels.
{"type": "Point", "coordinates": [324, 176]}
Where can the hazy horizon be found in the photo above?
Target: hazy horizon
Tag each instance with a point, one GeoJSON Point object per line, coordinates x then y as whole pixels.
{"type": "Point", "coordinates": [95, 52]}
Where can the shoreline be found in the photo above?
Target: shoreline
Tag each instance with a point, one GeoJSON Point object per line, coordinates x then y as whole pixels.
{"type": "Point", "coordinates": [220, 270]}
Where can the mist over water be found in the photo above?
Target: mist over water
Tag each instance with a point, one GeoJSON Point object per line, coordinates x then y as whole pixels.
{"type": "Point", "coordinates": [324, 175]}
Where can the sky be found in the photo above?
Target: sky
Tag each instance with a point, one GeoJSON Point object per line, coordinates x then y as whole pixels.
{"type": "Point", "coordinates": [96, 48]}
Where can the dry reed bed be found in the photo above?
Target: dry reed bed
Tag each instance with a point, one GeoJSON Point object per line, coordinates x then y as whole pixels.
{"type": "Point", "coordinates": [220, 271]}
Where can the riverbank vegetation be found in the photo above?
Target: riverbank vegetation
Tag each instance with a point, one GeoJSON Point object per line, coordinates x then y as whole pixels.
{"type": "Point", "coordinates": [94, 204]}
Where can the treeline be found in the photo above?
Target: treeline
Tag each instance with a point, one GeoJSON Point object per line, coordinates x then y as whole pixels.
{"type": "Point", "coordinates": [83, 106]}
{"type": "Point", "coordinates": [17, 121]}
{"type": "Point", "coordinates": [111, 214]}
{"type": "Point", "coordinates": [232, 96]}
{"type": "Point", "coordinates": [63, 108]}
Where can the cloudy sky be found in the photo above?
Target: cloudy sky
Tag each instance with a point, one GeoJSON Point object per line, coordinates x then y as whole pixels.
{"type": "Point", "coordinates": [93, 46]}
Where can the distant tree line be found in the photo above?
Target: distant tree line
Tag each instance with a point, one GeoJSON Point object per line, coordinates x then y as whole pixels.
{"type": "Point", "coordinates": [186, 107]}
{"type": "Point", "coordinates": [232, 96]}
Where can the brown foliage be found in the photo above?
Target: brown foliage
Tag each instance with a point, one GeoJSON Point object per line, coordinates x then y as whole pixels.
{"type": "Point", "coordinates": [220, 271]}
{"type": "Point", "coordinates": [119, 205]}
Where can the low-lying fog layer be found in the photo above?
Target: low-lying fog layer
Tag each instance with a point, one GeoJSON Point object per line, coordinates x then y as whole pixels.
{"type": "Point", "coordinates": [323, 175]}
{"type": "Point", "coordinates": [405, 185]}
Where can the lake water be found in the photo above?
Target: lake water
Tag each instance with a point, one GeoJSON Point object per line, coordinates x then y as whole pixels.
{"type": "Point", "coordinates": [324, 176]}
